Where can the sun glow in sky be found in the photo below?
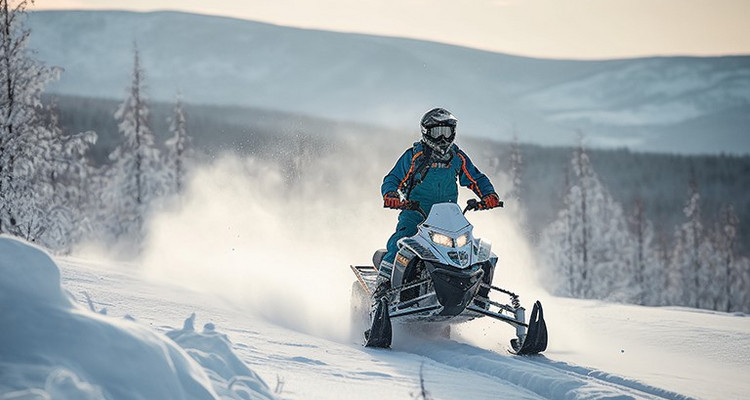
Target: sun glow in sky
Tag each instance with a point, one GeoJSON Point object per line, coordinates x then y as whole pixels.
{"type": "Point", "coordinates": [583, 29]}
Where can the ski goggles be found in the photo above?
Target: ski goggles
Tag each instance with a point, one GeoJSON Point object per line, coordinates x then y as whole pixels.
{"type": "Point", "coordinates": [441, 131]}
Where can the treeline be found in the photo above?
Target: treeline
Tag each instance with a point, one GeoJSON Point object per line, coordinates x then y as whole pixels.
{"type": "Point", "coordinates": [605, 246]}
{"type": "Point", "coordinates": [658, 180]}
{"type": "Point", "coordinates": [634, 244]}
{"type": "Point", "coordinates": [214, 129]}
{"type": "Point", "coordinates": [50, 191]}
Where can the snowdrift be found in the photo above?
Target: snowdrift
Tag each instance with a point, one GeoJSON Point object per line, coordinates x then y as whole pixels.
{"type": "Point", "coordinates": [51, 347]}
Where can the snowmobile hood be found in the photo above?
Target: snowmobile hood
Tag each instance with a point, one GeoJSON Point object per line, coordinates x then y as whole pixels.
{"type": "Point", "coordinates": [446, 216]}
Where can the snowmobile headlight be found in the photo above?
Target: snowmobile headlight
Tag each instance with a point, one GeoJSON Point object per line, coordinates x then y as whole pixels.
{"type": "Point", "coordinates": [462, 240]}
{"type": "Point", "coordinates": [441, 239]}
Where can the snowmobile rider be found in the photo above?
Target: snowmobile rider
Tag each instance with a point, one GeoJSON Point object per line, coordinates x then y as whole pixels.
{"type": "Point", "coordinates": [426, 173]}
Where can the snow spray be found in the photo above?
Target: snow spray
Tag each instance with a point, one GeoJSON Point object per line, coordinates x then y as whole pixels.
{"type": "Point", "coordinates": [277, 238]}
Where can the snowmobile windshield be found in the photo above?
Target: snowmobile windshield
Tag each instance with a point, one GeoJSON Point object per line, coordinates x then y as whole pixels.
{"type": "Point", "coordinates": [447, 217]}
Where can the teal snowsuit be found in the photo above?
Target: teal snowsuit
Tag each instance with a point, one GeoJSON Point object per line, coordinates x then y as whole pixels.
{"type": "Point", "coordinates": [422, 177]}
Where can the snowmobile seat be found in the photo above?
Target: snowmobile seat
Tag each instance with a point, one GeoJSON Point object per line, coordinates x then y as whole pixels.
{"type": "Point", "coordinates": [378, 257]}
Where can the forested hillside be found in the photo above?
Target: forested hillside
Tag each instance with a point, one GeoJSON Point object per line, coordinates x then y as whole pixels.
{"type": "Point", "coordinates": [660, 181]}
{"type": "Point", "coordinates": [655, 229]}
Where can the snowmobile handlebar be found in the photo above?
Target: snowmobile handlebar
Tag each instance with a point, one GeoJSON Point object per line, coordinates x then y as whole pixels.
{"type": "Point", "coordinates": [476, 205]}
{"type": "Point", "coordinates": [471, 205]}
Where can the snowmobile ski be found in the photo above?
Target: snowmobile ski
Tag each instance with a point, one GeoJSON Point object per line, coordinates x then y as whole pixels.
{"type": "Point", "coordinates": [535, 340]}
{"type": "Point", "coordinates": [380, 333]}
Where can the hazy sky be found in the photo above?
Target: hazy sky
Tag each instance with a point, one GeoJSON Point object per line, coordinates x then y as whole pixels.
{"type": "Point", "coordinates": [543, 28]}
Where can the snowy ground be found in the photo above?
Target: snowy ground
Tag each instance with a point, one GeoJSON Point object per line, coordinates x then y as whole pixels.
{"type": "Point", "coordinates": [271, 272]}
{"type": "Point", "coordinates": [283, 305]}
{"type": "Point", "coordinates": [596, 350]}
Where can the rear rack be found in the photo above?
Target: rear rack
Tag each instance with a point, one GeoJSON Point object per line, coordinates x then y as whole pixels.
{"type": "Point", "coordinates": [367, 275]}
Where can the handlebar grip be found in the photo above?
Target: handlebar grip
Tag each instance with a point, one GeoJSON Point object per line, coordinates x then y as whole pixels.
{"type": "Point", "coordinates": [471, 204]}
{"type": "Point", "coordinates": [474, 204]}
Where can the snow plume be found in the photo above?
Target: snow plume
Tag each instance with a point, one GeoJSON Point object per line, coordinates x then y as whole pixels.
{"type": "Point", "coordinates": [277, 237]}
{"type": "Point", "coordinates": [281, 247]}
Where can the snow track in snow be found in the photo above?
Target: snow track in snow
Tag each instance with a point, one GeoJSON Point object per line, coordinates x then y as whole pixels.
{"type": "Point", "coordinates": [616, 382]}
{"type": "Point", "coordinates": [547, 378]}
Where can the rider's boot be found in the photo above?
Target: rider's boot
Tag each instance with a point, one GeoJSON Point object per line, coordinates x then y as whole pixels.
{"type": "Point", "coordinates": [379, 334]}
{"type": "Point", "coordinates": [381, 291]}
{"type": "Point", "coordinates": [382, 284]}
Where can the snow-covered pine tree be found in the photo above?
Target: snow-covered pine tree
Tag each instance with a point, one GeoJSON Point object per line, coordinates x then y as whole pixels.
{"type": "Point", "coordinates": [560, 244]}
{"type": "Point", "coordinates": [134, 179]}
{"type": "Point", "coordinates": [588, 242]}
{"type": "Point", "coordinates": [611, 268]}
{"type": "Point", "coordinates": [71, 175]}
{"type": "Point", "coordinates": [34, 163]}
{"type": "Point", "coordinates": [179, 148]}
{"type": "Point", "coordinates": [679, 291]}
{"type": "Point", "coordinates": [556, 250]}
{"type": "Point", "coordinates": [58, 172]}
{"type": "Point", "coordinates": [22, 80]}
{"type": "Point", "coordinates": [567, 261]}
{"type": "Point", "coordinates": [646, 272]}
{"type": "Point", "coordinates": [692, 253]}
{"type": "Point", "coordinates": [580, 218]}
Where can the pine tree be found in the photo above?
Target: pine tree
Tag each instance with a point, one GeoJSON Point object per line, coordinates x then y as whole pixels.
{"type": "Point", "coordinates": [587, 244]}
{"type": "Point", "coordinates": [179, 147]}
{"type": "Point", "coordinates": [70, 174]}
{"type": "Point", "coordinates": [135, 177]}
{"type": "Point", "coordinates": [647, 271]}
{"type": "Point", "coordinates": [579, 200]}
{"type": "Point", "coordinates": [692, 253]}
{"type": "Point", "coordinates": [52, 204]}
{"type": "Point", "coordinates": [22, 80]}
{"type": "Point", "coordinates": [35, 161]}
{"type": "Point", "coordinates": [638, 228]}
{"type": "Point", "coordinates": [694, 233]}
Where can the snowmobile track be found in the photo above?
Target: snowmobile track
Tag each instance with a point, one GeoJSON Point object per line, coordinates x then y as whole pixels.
{"type": "Point", "coordinates": [627, 386]}
{"type": "Point", "coordinates": [544, 377]}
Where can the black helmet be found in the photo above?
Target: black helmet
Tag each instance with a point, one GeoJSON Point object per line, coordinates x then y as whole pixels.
{"type": "Point", "coordinates": [439, 129]}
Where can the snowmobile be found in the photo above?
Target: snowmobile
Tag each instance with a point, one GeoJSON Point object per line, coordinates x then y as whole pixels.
{"type": "Point", "coordinates": [443, 276]}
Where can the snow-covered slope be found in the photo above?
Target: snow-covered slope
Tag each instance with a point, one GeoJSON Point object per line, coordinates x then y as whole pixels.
{"type": "Point", "coordinates": [51, 347]}
{"type": "Point", "coordinates": [678, 104]}
{"type": "Point", "coordinates": [597, 350]}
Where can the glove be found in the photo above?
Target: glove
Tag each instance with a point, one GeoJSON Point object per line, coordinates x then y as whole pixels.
{"type": "Point", "coordinates": [490, 201]}
{"type": "Point", "coordinates": [393, 200]}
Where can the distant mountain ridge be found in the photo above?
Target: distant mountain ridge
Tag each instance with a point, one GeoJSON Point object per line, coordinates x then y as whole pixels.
{"type": "Point", "coordinates": [672, 104]}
